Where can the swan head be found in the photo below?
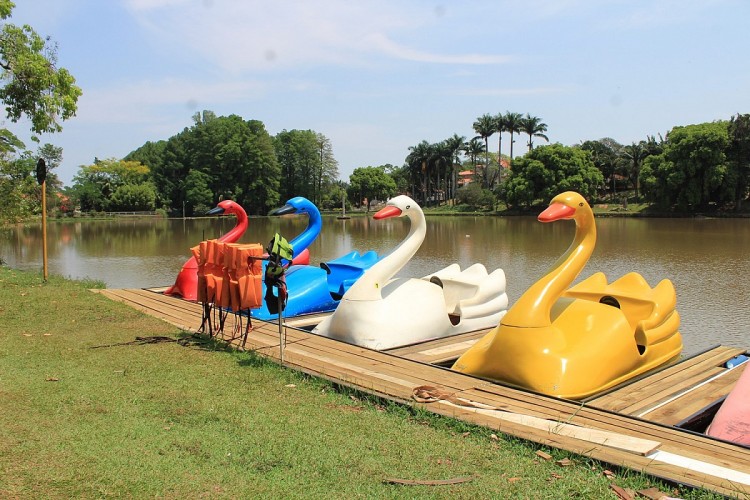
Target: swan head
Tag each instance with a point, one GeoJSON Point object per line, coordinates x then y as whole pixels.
{"type": "Point", "coordinates": [399, 206]}
{"type": "Point", "coordinates": [566, 206]}
{"type": "Point", "coordinates": [297, 205]}
{"type": "Point", "coordinates": [226, 207]}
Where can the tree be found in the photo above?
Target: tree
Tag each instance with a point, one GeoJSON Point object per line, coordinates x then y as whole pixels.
{"type": "Point", "coordinates": [328, 168]}
{"type": "Point", "coordinates": [299, 155]}
{"type": "Point", "coordinates": [501, 125]}
{"type": "Point", "coordinates": [605, 154]}
{"type": "Point", "coordinates": [513, 126]}
{"type": "Point", "coordinates": [738, 155]}
{"type": "Point", "coordinates": [154, 156]}
{"type": "Point", "coordinates": [454, 146]}
{"type": "Point", "coordinates": [334, 195]}
{"type": "Point", "coordinates": [418, 160]}
{"type": "Point", "coordinates": [20, 195]}
{"type": "Point", "coordinates": [308, 166]}
{"type": "Point", "coordinates": [198, 195]}
{"type": "Point", "coordinates": [633, 156]}
{"type": "Point", "coordinates": [95, 185]}
{"type": "Point", "coordinates": [533, 126]}
{"type": "Point", "coordinates": [475, 197]}
{"type": "Point", "coordinates": [693, 169]}
{"type": "Point", "coordinates": [549, 170]}
{"type": "Point", "coordinates": [33, 84]}
{"type": "Point", "coordinates": [473, 149]}
{"type": "Point", "coordinates": [484, 127]}
{"type": "Point", "coordinates": [237, 155]}
{"type": "Point", "coordinates": [370, 183]}
{"type": "Point", "coordinates": [133, 197]}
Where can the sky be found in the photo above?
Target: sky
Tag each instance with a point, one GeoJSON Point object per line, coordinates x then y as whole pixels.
{"type": "Point", "coordinates": [378, 76]}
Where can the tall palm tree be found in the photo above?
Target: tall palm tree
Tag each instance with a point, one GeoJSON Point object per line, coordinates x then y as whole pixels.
{"type": "Point", "coordinates": [418, 160]}
{"type": "Point", "coordinates": [473, 149]}
{"type": "Point", "coordinates": [484, 126]}
{"type": "Point", "coordinates": [454, 144]}
{"type": "Point", "coordinates": [513, 125]}
{"type": "Point", "coordinates": [533, 126]}
{"type": "Point", "coordinates": [500, 126]}
{"type": "Point", "coordinates": [634, 154]}
{"type": "Point", "coordinates": [442, 161]}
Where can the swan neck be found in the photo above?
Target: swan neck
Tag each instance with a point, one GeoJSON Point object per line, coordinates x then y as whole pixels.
{"type": "Point", "coordinates": [234, 234]}
{"type": "Point", "coordinates": [369, 286]}
{"type": "Point", "coordinates": [305, 238]}
{"type": "Point", "coordinates": [533, 309]}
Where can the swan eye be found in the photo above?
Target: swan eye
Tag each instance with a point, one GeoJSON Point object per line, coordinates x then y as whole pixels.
{"type": "Point", "coordinates": [408, 207]}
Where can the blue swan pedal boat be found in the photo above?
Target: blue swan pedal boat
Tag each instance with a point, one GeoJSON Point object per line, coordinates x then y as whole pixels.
{"type": "Point", "coordinates": [315, 289]}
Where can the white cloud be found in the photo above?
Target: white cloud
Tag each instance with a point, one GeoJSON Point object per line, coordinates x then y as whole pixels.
{"type": "Point", "coordinates": [142, 101]}
{"type": "Point", "coordinates": [238, 37]}
{"type": "Point", "coordinates": [388, 46]}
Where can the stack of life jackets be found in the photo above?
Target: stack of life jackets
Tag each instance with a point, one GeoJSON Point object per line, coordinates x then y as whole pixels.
{"type": "Point", "coordinates": [230, 275]}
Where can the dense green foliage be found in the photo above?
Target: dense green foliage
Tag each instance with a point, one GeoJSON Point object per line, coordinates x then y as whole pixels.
{"type": "Point", "coordinates": [307, 165]}
{"type": "Point", "coordinates": [114, 185]}
{"type": "Point", "coordinates": [369, 183]}
{"type": "Point", "coordinates": [227, 156]}
{"type": "Point", "coordinates": [31, 86]}
{"type": "Point", "coordinates": [549, 170]}
{"type": "Point", "coordinates": [692, 167]}
{"type": "Point", "coordinates": [231, 158]}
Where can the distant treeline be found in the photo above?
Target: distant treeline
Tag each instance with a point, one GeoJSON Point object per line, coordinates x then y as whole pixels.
{"type": "Point", "coordinates": [691, 168]}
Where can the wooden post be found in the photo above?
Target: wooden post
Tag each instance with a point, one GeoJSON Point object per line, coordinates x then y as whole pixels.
{"type": "Point", "coordinates": [44, 230]}
{"type": "Point", "coordinates": [41, 177]}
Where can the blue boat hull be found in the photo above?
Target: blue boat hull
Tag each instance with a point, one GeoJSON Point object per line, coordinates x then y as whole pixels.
{"type": "Point", "coordinates": [313, 289]}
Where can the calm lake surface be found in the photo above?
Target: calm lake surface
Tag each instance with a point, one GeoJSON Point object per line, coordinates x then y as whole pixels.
{"type": "Point", "coordinates": [704, 258]}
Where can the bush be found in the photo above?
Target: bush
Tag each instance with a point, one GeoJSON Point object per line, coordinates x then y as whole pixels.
{"type": "Point", "coordinates": [473, 196]}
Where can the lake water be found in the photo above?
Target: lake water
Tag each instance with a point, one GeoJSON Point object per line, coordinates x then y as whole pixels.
{"type": "Point", "coordinates": [705, 258]}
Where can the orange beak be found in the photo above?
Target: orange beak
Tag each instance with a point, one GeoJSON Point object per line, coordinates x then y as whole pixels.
{"type": "Point", "coordinates": [387, 212]}
{"type": "Point", "coordinates": [556, 211]}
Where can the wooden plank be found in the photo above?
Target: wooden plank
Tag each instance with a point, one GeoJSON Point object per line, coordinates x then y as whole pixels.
{"type": "Point", "coordinates": [306, 320]}
{"type": "Point", "coordinates": [694, 398]}
{"type": "Point", "coordinates": [647, 464]}
{"type": "Point", "coordinates": [440, 350]}
{"type": "Point", "coordinates": [631, 398]}
{"type": "Point", "coordinates": [609, 439]}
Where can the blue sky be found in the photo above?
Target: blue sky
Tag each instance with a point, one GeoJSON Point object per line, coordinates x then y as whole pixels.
{"type": "Point", "coordinates": [378, 76]}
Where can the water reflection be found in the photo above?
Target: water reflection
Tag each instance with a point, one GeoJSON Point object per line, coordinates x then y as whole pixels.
{"type": "Point", "coordinates": [704, 258]}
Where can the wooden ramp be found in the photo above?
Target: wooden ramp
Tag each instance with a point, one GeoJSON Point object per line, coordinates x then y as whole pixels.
{"type": "Point", "coordinates": [618, 438]}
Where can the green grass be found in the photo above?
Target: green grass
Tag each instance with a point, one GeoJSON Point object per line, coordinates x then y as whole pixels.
{"type": "Point", "coordinates": [87, 412]}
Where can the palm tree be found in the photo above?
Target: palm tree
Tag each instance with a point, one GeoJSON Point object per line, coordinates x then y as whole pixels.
{"type": "Point", "coordinates": [533, 126]}
{"type": "Point", "coordinates": [418, 160]}
{"type": "Point", "coordinates": [454, 145]}
{"type": "Point", "coordinates": [442, 162]}
{"type": "Point", "coordinates": [634, 154]}
{"type": "Point", "coordinates": [513, 125]}
{"type": "Point", "coordinates": [473, 149]}
{"type": "Point", "coordinates": [501, 125]}
{"type": "Point", "coordinates": [485, 127]}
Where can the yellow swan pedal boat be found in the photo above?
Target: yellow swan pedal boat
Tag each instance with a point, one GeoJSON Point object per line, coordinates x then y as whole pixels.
{"type": "Point", "coordinates": [575, 342]}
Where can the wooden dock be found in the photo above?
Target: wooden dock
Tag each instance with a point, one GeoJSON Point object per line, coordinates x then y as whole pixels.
{"type": "Point", "coordinates": [632, 426]}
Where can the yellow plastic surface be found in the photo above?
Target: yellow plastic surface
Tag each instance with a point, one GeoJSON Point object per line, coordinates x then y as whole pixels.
{"type": "Point", "coordinates": [573, 343]}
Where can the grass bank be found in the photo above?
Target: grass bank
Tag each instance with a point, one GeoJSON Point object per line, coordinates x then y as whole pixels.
{"type": "Point", "coordinates": [88, 411]}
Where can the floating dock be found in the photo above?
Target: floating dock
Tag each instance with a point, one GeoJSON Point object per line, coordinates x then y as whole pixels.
{"type": "Point", "coordinates": [647, 425]}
